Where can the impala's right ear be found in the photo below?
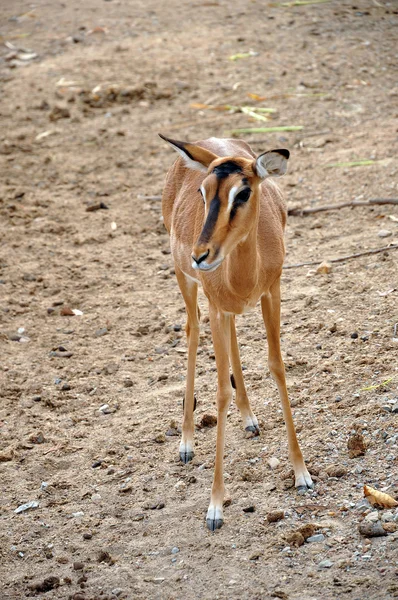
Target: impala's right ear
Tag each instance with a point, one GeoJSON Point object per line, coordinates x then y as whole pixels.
{"type": "Point", "coordinates": [194, 156]}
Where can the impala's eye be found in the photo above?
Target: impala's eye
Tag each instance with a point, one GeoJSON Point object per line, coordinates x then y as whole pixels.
{"type": "Point", "coordinates": [243, 195]}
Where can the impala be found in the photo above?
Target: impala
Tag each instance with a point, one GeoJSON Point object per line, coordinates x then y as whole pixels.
{"type": "Point", "coordinates": [226, 222]}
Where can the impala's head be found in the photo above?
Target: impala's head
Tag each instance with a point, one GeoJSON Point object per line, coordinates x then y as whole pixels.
{"type": "Point", "coordinates": [230, 192]}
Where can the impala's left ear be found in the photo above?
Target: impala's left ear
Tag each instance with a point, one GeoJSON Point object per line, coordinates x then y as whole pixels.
{"type": "Point", "coordinates": [195, 157]}
{"type": "Point", "coordinates": [272, 163]}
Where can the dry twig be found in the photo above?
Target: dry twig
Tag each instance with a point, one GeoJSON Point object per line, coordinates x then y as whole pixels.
{"type": "Point", "coordinates": [300, 212]}
{"type": "Point", "coordinates": [343, 258]}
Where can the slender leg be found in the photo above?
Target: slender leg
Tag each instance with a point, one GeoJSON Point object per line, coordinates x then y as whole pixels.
{"type": "Point", "coordinates": [189, 290]}
{"type": "Point", "coordinates": [271, 306]}
{"type": "Point", "coordinates": [220, 329]}
{"type": "Point", "coordinates": [242, 400]}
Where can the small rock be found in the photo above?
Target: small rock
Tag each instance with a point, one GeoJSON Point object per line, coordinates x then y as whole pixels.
{"type": "Point", "coordinates": [387, 517]}
{"type": "Point", "coordinates": [249, 509]}
{"type": "Point", "coordinates": [275, 515]}
{"type": "Point", "coordinates": [295, 539]}
{"type": "Point", "coordinates": [66, 387]}
{"type": "Point", "coordinates": [372, 517]}
{"type": "Point", "coordinates": [394, 408]}
{"type": "Point", "coordinates": [128, 383]}
{"type": "Point", "coordinates": [319, 537]}
{"type": "Point", "coordinates": [336, 471]}
{"type": "Point", "coordinates": [325, 564]}
{"type": "Point", "coordinates": [208, 421]}
{"type": "Point", "coordinates": [390, 527]}
{"type": "Point", "coordinates": [59, 112]}
{"type": "Point", "coordinates": [66, 311]}
{"type": "Point", "coordinates": [307, 530]}
{"type": "Point", "coordinates": [324, 268]}
{"type": "Point", "coordinates": [96, 206]}
{"type": "Point", "coordinates": [356, 445]}
{"type": "Point", "coordinates": [117, 592]}
{"type": "Point", "coordinates": [6, 455]}
{"type": "Point", "coordinates": [78, 566]}
{"type": "Point", "coordinates": [354, 335]}
{"type": "Point", "coordinates": [87, 535]}
{"type": "Point", "coordinates": [46, 585]}
{"type": "Point", "coordinates": [171, 432]}
{"type": "Point", "coordinates": [371, 529]}
{"type": "Point", "coordinates": [160, 438]}
{"type": "Point", "coordinates": [96, 498]}
{"type": "Point", "coordinates": [101, 332]}
{"type": "Point", "coordinates": [175, 550]}
{"type": "Point", "coordinates": [27, 506]}
{"type": "Point", "coordinates": [256, 555]}
{"type": "Point", "coordinates": [97, 463]}
{"type": "Point", "coordinates": [384, 233]}
{"type": "Point", "coordinates": [37, 438]}
{"type": "Point", "coordinates": [273, 462]}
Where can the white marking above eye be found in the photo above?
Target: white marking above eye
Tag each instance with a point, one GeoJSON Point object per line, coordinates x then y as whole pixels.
{"type": "Point", "coordinates": [231, 196]}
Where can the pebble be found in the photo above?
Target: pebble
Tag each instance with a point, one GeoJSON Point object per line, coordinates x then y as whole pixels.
{"type": "Point", "coordinates": [117, 592]}
{"type": "Point", "coordinates": [394, 408]}
{"type": "Point", "coordinates": [78, 566]}
{"type": "Point", "coordinates": [324, 268]}
{"type": "Point", "coordinates": [336, 471]}
{"type": "Point", "coordinates": [96, 498]}
{"type": "Point", "coordinates": [384, 233]}
{"type": "Point", "coordinates": [87, 536]}
{"type": "Point", "coordinates": [372, 517]}
{"type": "Point", "coordinates": [325, 564]}
{"type": "Point", "coordinates": [78, 515]}
{"type": "Point", "coordinates": [175, 550]}
{"type": "Point", "coordinates": [128, 383]}
{"type": "Point", "coordinates": [371, 529]}
{"type": "Point", "coordinates": [356, 445]}
{"type": "Point", "coordinates": [27, 506]}
{"type": "Point", "coordinates": [275, 515]}
{"type": "Point", "coordinates": [319, 537]}
{"type": "Point", "coordinates": [101, 332]}
{"type": "Point", "coordinates": [66, 387]}
{"type": "Point", "coordinates": [387, 517]}
{"type": "Point", "coordinates": [249, 509]}
{"type": "Point", "coordinates": [354, 335]}
{"type": "Point", "coordinates": [273, 462]}
{"type": "Point", "coordinates": [97, 463]}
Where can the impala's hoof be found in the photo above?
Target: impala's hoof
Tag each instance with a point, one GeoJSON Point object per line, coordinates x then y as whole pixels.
{"type": "Point", "coordinates": [185, 457]}
{"type": "Point", "coordinates": [214, 524]}
{"type": "Point", "coordinates": [304, 483]}
{"type": "Point", "coordinates": [214, 518]}
{"type": "Point", "coordinates": [253, 429]}
{"type": "Point", "coordinates": [186, 452]}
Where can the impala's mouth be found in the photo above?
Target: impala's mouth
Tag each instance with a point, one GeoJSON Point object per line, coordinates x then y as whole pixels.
{"type": "Point", "coordinates": [203, 266]}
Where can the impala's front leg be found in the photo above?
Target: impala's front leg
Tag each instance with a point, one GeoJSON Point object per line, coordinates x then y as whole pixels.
{"type": "Point", "coordinates": [270, 305]}
{"type": "Point", "coordinates": [220, 328]}
{"type": "Point", "coordinates": [189, 290]}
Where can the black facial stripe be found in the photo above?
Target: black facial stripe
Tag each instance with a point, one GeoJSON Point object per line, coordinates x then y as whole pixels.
{"type": "Point", "coordinates": [245, 193]}
{"type": "Point", "coordinates": [226, 168]}
{"type": "Point", "coordinates": [211, 221]}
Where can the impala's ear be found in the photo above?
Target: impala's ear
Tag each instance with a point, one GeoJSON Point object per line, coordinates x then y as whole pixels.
{"type": "Point", "coordinates": [272, 163]}
{"type": "Point", "coordinates": [194, 156]}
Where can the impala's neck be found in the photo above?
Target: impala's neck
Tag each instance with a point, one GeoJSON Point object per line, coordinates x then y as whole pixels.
{"type": "Point", "coordinates": [243, 264]}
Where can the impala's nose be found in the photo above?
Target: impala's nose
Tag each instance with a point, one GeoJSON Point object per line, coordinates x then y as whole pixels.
{"type": "Point", "coordinates": [200, 258]}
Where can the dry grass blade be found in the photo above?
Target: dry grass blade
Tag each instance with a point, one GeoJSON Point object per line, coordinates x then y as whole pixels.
{"type": "Point", "coordinates": [240, 55]}
{"type": "Point", "coordinates": [354, 163]}
{"type": "Point", "coordinates": [266, 129]}
{"type": "Point", "coordinates": [380, 498]}
{"type": "Point", "coordinates": [378, 385]}
{"type": "Point", "coordinates": [302, 3]}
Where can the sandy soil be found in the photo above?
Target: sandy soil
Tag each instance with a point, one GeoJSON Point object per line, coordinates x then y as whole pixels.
{"type": "Point", "coordinates": [118, 515]}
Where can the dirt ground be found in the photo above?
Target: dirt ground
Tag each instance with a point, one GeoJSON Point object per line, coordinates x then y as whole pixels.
{"type": "Point", "coordinates": [87, 399]}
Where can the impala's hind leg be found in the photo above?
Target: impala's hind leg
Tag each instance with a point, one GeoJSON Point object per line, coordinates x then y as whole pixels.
{"type": "Point", "coordinates": [270, 305]}
{"type": "Point", "coordinates": [189, 290]}
{"type": "Point", "coordinates": [242, 400]}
